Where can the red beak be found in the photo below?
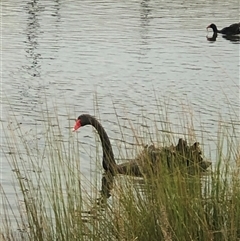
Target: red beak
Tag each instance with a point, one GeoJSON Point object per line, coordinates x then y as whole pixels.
{"type": "Point", "coordinates": [77, 125]}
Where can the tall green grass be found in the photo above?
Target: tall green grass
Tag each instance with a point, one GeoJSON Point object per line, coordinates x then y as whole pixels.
{"type": "Point", "coordinates": [169, 206]}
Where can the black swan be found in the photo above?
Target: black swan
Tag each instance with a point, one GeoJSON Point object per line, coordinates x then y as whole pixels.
{"type": "Point", "coordinates": [231, 30]}
{"type": "Point", "coordinates": [149, 158]}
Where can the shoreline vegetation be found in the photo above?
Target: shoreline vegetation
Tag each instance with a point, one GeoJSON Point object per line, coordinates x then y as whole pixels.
{"type": "Point", "coordinates": [168, 206]}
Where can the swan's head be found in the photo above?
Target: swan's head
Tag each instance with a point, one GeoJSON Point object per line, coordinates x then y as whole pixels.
{"type": "Point", "coordinates": [212, 26]}
{"type": "Point", "coordinates": [82, 120]}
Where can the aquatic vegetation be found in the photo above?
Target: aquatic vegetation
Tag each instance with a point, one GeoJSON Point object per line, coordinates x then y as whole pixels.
{"type": "Point", "coordinates": [167, 206]}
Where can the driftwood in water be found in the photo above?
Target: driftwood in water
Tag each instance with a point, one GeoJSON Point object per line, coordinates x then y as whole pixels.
{"type": "Point", "coordinates": [187, 158]}
{"type": "Point", "coordinates": [182, 156]}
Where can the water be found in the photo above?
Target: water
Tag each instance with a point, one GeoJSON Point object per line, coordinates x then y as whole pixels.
{"type": "Point", "coordinates": [130, 57]}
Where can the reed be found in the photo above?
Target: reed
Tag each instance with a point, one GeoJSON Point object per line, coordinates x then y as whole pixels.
{"type": "Point", "coordinates": [168, 206]}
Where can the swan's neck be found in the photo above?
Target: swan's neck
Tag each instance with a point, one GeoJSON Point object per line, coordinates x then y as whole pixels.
{"type": "Point", "coordinates": [108, 156]}
{"type": "Point", "coordinates": [215, 30]}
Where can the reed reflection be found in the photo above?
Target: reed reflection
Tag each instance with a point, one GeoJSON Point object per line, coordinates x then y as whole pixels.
{"type": "Point", "coordinates": [145, 11]}
{"type": "Point", "coordinates": [32, 32]}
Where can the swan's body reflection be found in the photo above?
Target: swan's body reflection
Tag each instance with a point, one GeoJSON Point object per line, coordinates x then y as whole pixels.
{"type": "Point", "coordinates": [212, 38]}
{"type": "Point", "coordinates": [231, 38]}
{"type": "Point", "coordinates": [107, 185]}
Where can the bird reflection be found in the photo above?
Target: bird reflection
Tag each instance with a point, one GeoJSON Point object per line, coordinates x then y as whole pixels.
{"type": "Point", "coordinates": [232, 38]}
{"type": "Point", "coordinates": [212, 38]}
{"type": "Point", "coordinates": [107, 185]}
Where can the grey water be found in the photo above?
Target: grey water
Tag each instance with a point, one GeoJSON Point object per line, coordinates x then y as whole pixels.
{"type": "Point", "coordinates": [141, 62]}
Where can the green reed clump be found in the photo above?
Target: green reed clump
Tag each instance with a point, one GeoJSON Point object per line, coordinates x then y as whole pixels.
{"type": "Point", "coordinates": [171, 205]}
{"type": "Point", "coordinates": [49, 185]}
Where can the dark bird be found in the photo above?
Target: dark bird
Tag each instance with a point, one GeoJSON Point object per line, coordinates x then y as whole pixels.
{"type": "Point", "coordinates": [149, 159]}
{"type": "Point", "coordinates": [231, 30]}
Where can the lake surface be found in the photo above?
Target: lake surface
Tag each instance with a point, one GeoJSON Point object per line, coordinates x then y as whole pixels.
{"type": "Point", "coordinates": [143, 62]}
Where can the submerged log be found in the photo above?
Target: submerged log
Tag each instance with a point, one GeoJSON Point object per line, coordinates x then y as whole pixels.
{"type": "Point", "coordinates": [182, 156]}
{"type": "Point", "coordinates": [154, 160]}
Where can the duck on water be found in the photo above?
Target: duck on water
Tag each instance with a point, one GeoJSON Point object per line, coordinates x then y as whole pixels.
{"type": "Point", "coordinates": [136, 166]}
